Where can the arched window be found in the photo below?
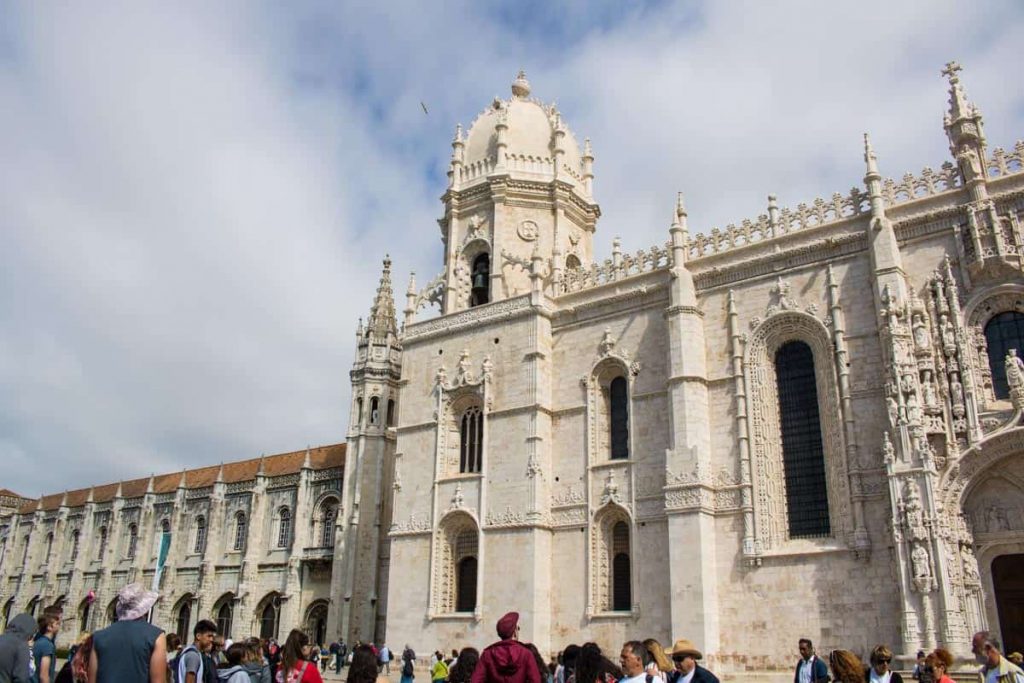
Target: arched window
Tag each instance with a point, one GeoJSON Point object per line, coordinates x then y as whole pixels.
{"type": "Point", "coordinates": [225, 615]}
{"type": "Point", "coordinates": [471, 444]}
{"type": "Point", "coordinates": [133, 541]}
{"type": "Point", "coordinates": [359, 412]}
{"type": "Point", "coordinates": [84, 608]}
{"type": "Point", "coordinates": [165, 526]}
{"type": "Point", "coordinates": [8, 608]}
{"type": "Point", "coordinates": [1003, 332]}
{"type": "Point", "coordinates": [618, 398]}
{"type": "Point", "coordinates": [481, 280]}
{"type": "Point", "coordinates": [75, 537]}
{"type": "Point", "coordinates": [329, 515]}
{"type": "Point", "coordinates": [112, 612]}
{"type": "Point", "coordinates": [269, 617]}
{"type": "Point", "coordinates": [102, 549]}
{"type": "Point", "coordinates": [200, 542]}
{"type": "Point", "coordinates": [49, 547]}
{"type": "Point", "coordinates": [622, 598]}
{"type": "Point", "coordinates": [391, 412]}
{"type": "Point", "coordinates": [24, 551]}
{"type": "Point", "coordinates": [240, 527]}
{"type": "Point", "coordinates": [466, 551]}
{"type": "Point", "coordinates": [32, 605]}
{"type": "Point", "coordinates": [375, 410]}
{"type": "Point", "coordinates": [572, 262]}
{"type": "Point", "coordinates": [803, 454]}
{"type": "Point", "coordinates": [184, 620]}
{"type": "Point", "coordinates": [284, 527]}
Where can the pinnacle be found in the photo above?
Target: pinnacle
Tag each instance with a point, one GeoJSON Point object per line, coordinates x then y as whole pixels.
{"type": "Point", "coordinates": [382, 314]}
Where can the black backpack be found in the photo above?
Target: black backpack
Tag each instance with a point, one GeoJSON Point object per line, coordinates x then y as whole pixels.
{"type": "Point", "coordinates": [407, 668]}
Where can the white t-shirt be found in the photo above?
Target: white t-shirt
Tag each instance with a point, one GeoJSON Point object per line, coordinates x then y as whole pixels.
{"type": "Point", "coordinates": [884, 678]}
{"type": "Point", "coordinates": [642, 678]}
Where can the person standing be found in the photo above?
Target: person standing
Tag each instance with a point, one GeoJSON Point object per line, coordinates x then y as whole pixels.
{"type": "Point", "coordinates": [339, 656]}
{"type": "Point", "coordinates": [195, 664]}
{"type": "Point", "coordinates": [235, 670]}
{"type": "Point", "coordinates": [880, 672]}
{"type": "Point", "coordinates": [995, 668]}
{"type": "Point", "coordinates": [634, 659]}
{"type": "Point", "coordinates": [131, 650]}
{"type": "Point", "coordinates": [384, 656]}
{"type": "Point", "coordinates": [15, 653]}
{"type": "Point", "coordinates": [408, 664]}
{"type": "Point", "coordinates": [462, 670]}
{"type": "Point", "coordinates": [684, 657]}
{"type": "Point", "coordinates": [44, 648]}
{"type": "Point", "coordinates": [295, 665]}
{"type": "Point", "coordinates": [846, 667]}
{"type": "Point", "coordinates": [937, 665]}
{"type": "Point", "coordinates": [508, 660]}
{"type": "Point", "coordinates": [810, 668]}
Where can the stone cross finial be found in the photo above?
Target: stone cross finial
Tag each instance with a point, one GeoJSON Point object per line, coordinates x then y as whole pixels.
{"type": "Point", "coordinates": [951, 70]}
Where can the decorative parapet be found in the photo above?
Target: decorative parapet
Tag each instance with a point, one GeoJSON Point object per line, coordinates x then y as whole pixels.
{"type": "Point", "coordinates": [1004, 163]}
{"type": "Point", "coordinates": [620, 267]}
{"type": "Point", "coordinates": [927, 184]}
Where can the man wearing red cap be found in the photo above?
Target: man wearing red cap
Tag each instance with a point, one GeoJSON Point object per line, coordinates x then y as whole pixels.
{"type": "Point", "coordinates": [508, 660]}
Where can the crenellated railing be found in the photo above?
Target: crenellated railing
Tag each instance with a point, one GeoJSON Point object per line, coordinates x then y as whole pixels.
{"type": "Point", "coordinates": [1004, 163]}
{"type": "Point", "coordinates": [619, 267]}
{"type": "Point", "coordinates": [927, 184]}
{"type": "Point", "coordinates": [778, 222]}
{"type": "Point", "coordinates": [475, 170]}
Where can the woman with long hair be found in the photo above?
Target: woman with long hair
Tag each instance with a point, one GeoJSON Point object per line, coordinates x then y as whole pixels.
{"type": "Point", "coordinates": [295, 666]}
{"type": "Point", "coordinates": [464, 666]}
{"type": "Point", "coordinates": [594, 667]}
{"type": "Point", "coordinates": [846, 667]}
{"type": "Point", "coordinates": [76, 669]}
{"type": "Point", "coordinates": [660, 666]}
{"type": "Point", "coordinates": [542, 667]}
{"type": "Point", "coordinates": [364, 666]}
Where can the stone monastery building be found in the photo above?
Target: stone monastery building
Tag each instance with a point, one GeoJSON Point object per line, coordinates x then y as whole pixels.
{"type": "Point", "coordinates": [806, 424]}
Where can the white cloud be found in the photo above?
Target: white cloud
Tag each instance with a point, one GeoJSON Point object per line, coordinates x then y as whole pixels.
{"type": "Point", "coordinates": [195, 199]}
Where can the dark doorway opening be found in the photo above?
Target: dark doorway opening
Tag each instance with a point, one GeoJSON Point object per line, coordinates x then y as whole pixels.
{"type": "Point", "coordinates": [1008, 582]}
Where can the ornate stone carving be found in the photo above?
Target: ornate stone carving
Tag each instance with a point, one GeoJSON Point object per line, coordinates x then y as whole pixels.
{"type": "Point", "coordinates": [1015, 378]}
{"type": "Point", "coordinates": [610, 494]}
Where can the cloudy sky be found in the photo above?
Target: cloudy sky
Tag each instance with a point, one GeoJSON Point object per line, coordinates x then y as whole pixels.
{"type": "Point", "coordinates": [195, 197]}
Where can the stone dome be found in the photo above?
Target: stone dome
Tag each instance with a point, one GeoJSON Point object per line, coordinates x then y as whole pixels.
{"type": "Point", "coordinates": [530, 138]}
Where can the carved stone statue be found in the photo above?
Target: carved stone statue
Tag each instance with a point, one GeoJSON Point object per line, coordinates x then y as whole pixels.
{"type": "Point", "coordinates": [956, 391]}
{"type": "Point", "coordinates": [948, 336]}
{"type": "Point", "coordinates": [970, 565]}
{"type": "Point", "coordinates": [922, 338]}
{"type": "Point", "coordinates": [922, 567]}
{"type": "Point", "coordinates": [1015, 377]}
{"type": "Point", "coordinates": [894, 410]}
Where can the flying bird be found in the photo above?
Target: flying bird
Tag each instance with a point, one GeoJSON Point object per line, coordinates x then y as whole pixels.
{"type": "Point", "coordinates": [424, 107]}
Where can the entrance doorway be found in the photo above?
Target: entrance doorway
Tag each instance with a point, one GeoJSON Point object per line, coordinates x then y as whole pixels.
{"type": "Point", "coordinates": [1008, 582]}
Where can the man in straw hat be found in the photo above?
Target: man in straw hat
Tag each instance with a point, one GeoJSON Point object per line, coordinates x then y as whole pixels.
{"type": "Point", "coordinates": [131, 650]}
{"type": "Point", "coordinates": [684, 655]}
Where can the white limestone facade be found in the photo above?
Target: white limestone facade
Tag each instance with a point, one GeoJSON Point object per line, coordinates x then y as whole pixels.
{"type": "Point", "coordinates": [520, 482]}
{"type": "Point", "coordinates": [251, 547]}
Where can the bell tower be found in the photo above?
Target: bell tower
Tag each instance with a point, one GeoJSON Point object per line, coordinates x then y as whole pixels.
{"type": "Point", "coordinates": [518, 185]}
{"type": "Point", "coordinates": [362, 549]}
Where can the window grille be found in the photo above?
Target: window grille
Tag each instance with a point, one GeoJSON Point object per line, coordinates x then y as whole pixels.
{"type": "Point", "coordinates": [621, 579]}
{"type": "Point", "coordinates": [471, 444]}
{"type": "Point", "coordinates": [200, 544]}
{"type": "Point", "coordinates": [240, 528]}
{"type": "Point", "coordinates": [803, 454]}
{"type": "Point", "coordinates": [466, 550]}
{"type": "Point", "coordinates": [133, 540]}
{"type": "Point", "coordinates": [327, 530]}
{"type": "Point", "coordinates": [75, 536]}
{"type": "Point", "coordinates": [225, 616]}
{"type": "Point", "coordinates": [1003, 332]}
{"type": "Point", "coordinates": [184, 621]}
{"type": "Point", "coordinates": [103, 543]}
{"type": "Point", "coordinates": [619, 418]}
{"type": "Point", "coordinates": [284, 530]}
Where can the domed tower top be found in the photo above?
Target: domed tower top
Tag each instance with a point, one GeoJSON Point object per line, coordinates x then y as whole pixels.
{"type": "Point", "coordinates": [522, 137]}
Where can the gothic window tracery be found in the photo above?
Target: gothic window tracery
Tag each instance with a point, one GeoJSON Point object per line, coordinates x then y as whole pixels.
{"type": "Point", "coordinates": [199, 544]}
{"type": "Point", "coordinates": [799, 468]}
{"type": "Point", "coordinates": [375, 411]}
{"type": "Point", "coordinates": [456, 564]}
{"type": "Point", "coordinates": [100, 550]}
{"type": "Point", "coordinates": [327, 521]}
{"type": "Point", "coordinates": [133, 541]}
{"type": "Point", "coordinates": [284, 527]}
{"type": "Point", "coordinates": [75, 538]}
{"type": "Point", "coordinates": [471, 438]}
{"type": "Point", "coordinates": [611, 573]}
{"type": "Point", "coordinates": [1004, 331]}
{"type": "Point", "coordinates": [241, 523]}
{"type": "Point", "coordinates": [608, 407]}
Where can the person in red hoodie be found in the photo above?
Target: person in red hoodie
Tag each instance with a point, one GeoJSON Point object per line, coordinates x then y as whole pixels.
{"type": "Point", "coordinates": [508, 660]}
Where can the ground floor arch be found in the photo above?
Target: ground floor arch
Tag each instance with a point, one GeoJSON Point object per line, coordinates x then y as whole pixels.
{"type": "Point", "coordinates": [316, 622]}
{"type": "Point", "coordinates": [268, 616]}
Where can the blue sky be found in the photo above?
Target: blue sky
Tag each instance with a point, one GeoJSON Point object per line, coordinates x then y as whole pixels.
{"type": "Point", "coordinates": [195, 197]}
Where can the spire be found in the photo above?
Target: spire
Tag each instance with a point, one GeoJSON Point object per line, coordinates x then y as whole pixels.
{"type": "Point", "coordinates": [307, 463]}
{"type": "Point", "coordinates": [679, 230]}
{"type": "Point", "coordinates": [182, 483]}
{"type": "Point", "coordinates": [959, 107]}
{"type": "Point", "coordinates": [870, 160]}
{"type": "Point", "coordinates": [220, 475]}
{"type": "Point", "coordinates": [261, 471]}
{"type": "Point", "coordinates": [966, 135]}
{"type": "Point", "coordinates": [382, 314]}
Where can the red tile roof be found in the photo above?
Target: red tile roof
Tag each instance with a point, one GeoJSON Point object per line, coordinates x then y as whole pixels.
{"type": "Point", "coordinates": [320, 458]}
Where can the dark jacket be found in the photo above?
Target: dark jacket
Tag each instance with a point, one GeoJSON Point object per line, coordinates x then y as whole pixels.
{"type": "Point", "coordinates": [819, 670]}
{"type": "Point", "coordinates": [507, 661]}
{"type": "Point", "coordinates": [14, 651]}
{"type": "Point", "coordinates": [700, 675]}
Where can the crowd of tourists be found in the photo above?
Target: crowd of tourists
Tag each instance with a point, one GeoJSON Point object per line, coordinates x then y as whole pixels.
{"type": "Point", "coordinates": [132, 650]}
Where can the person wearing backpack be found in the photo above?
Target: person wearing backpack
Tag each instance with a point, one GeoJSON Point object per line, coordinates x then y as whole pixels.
{"type": "Point", "coordinates": [234, 671]}
{"type": "Point", "coordinates": [408, 664]}
{"type": "Point", "coordinates": [194, 664]}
